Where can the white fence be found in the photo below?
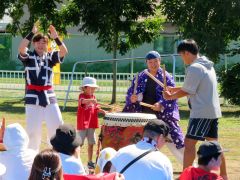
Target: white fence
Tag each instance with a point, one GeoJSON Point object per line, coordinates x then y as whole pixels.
{"type": "Point", "coordinates": [16, 80]}
{"type": "Point", "coordinates": [12, 85]}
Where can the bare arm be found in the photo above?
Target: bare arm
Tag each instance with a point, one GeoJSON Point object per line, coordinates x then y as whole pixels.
{"type": "Point", "coordinates": [102, 111]}
{"type": "Point", "coordinates": [173, 89]}
{"type": "Point", "coordinates": [22, 49]}
{"type": "Point", "coordinates": [88, 101]}
{"type": "Point", "coordinates": [178, 94]}
{"type": "Point", "coordinates": [63, 49]}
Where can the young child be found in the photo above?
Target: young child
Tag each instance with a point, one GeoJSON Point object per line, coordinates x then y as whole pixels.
{"type": "Point", "coordinates": [87, 115]}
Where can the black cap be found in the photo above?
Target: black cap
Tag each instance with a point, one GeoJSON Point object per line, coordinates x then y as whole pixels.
{"type": "Point", "coordinates": [209, 149]}
{"type": "Point", "coordinates": [157, 126]}
{"type": "Point", "coordinates": [65, 140]}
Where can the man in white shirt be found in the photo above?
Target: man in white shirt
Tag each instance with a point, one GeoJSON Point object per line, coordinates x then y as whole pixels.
{"type": "Point", "coordinates": [154, 165]}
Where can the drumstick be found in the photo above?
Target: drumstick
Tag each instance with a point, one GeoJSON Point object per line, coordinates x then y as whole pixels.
{"type": "Point", "coordinates": [164, 78]}
{"type": "Point", "coordinates": [135, 84]}
{"type": "Point", "coordinates": [113, 108]}
{"type": "Point", "coordinates": [146, 105]}
{"type": "Point", "coordinates": [153, 78]}
{"type": "Point", "coordinates": [106, 105]}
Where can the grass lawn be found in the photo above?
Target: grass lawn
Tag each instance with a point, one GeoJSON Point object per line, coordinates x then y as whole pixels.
{"type": "Point", "coordinates": [229, 126]}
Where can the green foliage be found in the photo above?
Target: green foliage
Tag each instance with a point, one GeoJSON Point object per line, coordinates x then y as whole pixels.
{"type": "Point", "coordinates": [230, 86]}
{"type": "Point", "coordinates": [118, 24]}
{"type": "Point", "coordinates": [8, 65]}
{"type": "Point", "coordinates": [213, 24]}
{"type": "Point", "coordinates": [5, 52]}
{"type": "Point", "coordinates": [43, 10]}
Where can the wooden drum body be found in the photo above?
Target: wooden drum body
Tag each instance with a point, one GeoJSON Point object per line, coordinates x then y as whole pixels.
{"type": "Point", "coordinates": [122, 129]}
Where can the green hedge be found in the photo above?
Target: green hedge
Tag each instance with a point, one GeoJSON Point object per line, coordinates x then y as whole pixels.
{"type": "Point", "coordinates": [230, 84]}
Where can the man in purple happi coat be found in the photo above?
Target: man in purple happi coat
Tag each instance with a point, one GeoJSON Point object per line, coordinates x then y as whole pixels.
{"type": "Point", "coordinates": [148, 91]}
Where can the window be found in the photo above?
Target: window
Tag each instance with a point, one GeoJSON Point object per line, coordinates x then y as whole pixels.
{"type": "Point", "coordinates": [165, 44]}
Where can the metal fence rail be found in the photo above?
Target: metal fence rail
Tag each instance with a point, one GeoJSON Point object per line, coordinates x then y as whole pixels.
{"type": "Point", "coordinates": [15, 80]}
{"type": "Point", "coordinates": [71, 81]}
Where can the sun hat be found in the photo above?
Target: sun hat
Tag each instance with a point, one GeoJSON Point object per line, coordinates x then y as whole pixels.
{"type": "Point", "coordinates": [105, 155]}
{"type": "Point", "coordinates": [152, 55]}
{"type": "Point", "coordinates": [209, 149]}
{"type": "Point", "coordinates": [89, 81]}
{"type": "Point", "coordinates": [66, 139]}
{"type": "Point", "coordinates": [2, 169]}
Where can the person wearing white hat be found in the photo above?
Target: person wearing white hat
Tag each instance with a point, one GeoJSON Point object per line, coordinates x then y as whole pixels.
{"type": "Point", "coordinates": [105, 156]}
{"type": "Point", "coordinates": [87, 115]}
{"type": "Point", "coordinates": [17, 158]}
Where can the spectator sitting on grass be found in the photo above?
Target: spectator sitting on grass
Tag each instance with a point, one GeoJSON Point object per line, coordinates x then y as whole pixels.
{"type": "Point", "coordinates": [209, 159]}
{"type": "Point", "coordinates": [67, 143]}
{"type": "Point", "coordinates": [103, 162]}
{"type": "Point", "coordinates": [17, 158]}
{"type": "Point", "coordinates": [47, 166]}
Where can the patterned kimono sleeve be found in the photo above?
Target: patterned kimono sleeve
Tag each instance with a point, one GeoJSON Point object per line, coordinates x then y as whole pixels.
{"type": "Point", "coordinates": [130, 107]}
{"type": "Point", "coordinates": [168, 104]}
{"type": "Point", "coordinates": [55, 58]}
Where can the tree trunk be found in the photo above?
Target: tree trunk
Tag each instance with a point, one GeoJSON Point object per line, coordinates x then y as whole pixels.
{"type": "Point", "coordinates": [114, 67]}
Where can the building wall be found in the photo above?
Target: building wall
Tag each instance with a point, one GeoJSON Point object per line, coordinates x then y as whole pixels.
{"type": "Point", "coordinates": [84, 48]}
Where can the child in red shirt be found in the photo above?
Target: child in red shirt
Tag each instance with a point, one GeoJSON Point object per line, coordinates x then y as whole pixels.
{"type": "Point", "coordinates": [209, 159]}
{"type": "Point", "coordinates": [87, 115]}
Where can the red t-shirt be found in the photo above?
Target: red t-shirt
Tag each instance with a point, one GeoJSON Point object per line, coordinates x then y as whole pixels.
{"type": "Point", "coordinates": [192, 173]}
{"type": "Point", "coordinates": [87, 115]}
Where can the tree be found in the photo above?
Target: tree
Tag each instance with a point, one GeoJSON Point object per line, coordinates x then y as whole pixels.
{"type": "Point", "coordinates": [119, 24]}
{"type": "Point", "coordinates": [45, 11]}
{"type": "Point", "coordinates": [229, 83]}
{"type": "Point", "coordinates": [213, 24]}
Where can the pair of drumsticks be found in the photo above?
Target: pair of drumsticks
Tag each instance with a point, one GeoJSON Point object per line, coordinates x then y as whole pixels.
{"type": "Point", "coordinates": [164, 84]}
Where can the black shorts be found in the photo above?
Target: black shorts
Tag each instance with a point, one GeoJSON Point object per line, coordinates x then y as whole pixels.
{"type": "Point", "coordinates": [200, 129]}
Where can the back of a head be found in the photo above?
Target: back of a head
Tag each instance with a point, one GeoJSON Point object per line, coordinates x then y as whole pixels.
{"type": "Point", "coordinates": [188, 45]}
{"type": "Point", "coordinates": [15, 137]}
{"type": "Point", "coordinates": [65, 140]}
{"type": "Point", "coordinates": [208, 150]}
{"type": "Point", "coordinates": [155, 128]}
{"type": "Point", "coordinates": [47, 166]}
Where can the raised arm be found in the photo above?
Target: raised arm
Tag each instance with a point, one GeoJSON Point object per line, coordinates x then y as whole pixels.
{"type": "Point", "coordinates": [54, 35]}
{"type": "Point", "coordinates": [23, 46]}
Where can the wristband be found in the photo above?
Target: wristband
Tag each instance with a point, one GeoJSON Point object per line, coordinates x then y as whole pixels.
{"type": "Point", "coordinates": [30, 36]}
{"type": "Point", "coordinates": [57, 40]}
